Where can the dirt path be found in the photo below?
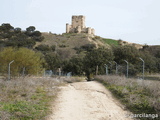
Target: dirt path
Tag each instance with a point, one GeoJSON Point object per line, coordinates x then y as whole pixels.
{"type": "Point", "coordinates": [87, 101]}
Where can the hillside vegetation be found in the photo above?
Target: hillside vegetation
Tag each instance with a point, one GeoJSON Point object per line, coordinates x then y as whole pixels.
{"type": "Point", "coordinates": [71, 42]}
{"type": "Point", "coordinates": [81, 54]}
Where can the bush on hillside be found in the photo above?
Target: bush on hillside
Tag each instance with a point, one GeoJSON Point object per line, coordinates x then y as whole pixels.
{"type": "Point", "coordinates": [24, 59]}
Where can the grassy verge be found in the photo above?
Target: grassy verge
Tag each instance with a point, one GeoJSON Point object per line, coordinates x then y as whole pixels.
{"type": "Point", "coordinates": [140, 97]}
{"type": "Point", "coordinates": [110, 42]}
{"type": "Point", "coordinates": [152, 77]}
{"type": "Point", "coordinates": [27, 99]}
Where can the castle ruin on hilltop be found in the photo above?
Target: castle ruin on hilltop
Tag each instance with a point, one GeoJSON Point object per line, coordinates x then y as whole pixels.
{"type": "Point", "coordinates": [78, 26]}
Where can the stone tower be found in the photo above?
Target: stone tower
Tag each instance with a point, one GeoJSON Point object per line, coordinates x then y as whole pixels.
{"type": "Point", "coordinates": [78, 21]}
{"type": "Point", "coordinates": [78, 26]}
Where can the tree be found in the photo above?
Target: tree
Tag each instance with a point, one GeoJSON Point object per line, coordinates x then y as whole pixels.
{"type": "Point", "coordinates": [74, 65]}
{"type": "Point", "coordinates": [132, 55]}
{"type": "Point", "coordinates": [6, 27]}
{"type": "Point", "coordinates": [17, 30]}
{"type": "Point", "coordinates": [23, 58]}
{"type": "Point", "coordinates": [15, 37]}
{"type": "Point", "coordinates": [150, 61]}
{"type": "Point", "coordinates": [97, 57]}
{"type": "Point", "coordinates": [30, 29]}
{"type": "Point", "coordinates": [53, 61]}
{"type": "Point", "coordinates": [6, 31]}
{"type": "Point", "coordinates": [129, 53]}
{"type": "Point", "coordinates": [36, 33]}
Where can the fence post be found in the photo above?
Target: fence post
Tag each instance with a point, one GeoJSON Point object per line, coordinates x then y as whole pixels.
{"type": "Point", "coordinates": [127, 67]}
{"type": "Point", "coordinates": [9, 70]}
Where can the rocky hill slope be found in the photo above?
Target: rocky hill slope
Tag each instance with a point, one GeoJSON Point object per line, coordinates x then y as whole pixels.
{"type": "Point", "coordinates": [69, 43]}
{"type": "Point", "coordinates": [72, 40]}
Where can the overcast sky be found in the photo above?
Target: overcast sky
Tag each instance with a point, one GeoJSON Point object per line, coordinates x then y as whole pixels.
{"type": "Point", "coordinates": [136, 21]}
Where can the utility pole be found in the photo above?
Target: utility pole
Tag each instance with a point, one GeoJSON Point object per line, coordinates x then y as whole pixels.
{"type": "Point", "coordinates": [143, 66]}
{"type": "Point", "coordinates": [9, 70]}
{"type": "Point", "coordinates": [127, 67]}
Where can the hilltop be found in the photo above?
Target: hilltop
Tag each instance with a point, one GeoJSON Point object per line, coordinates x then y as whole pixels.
{"type": "Point", "coordinates": [71, 42]}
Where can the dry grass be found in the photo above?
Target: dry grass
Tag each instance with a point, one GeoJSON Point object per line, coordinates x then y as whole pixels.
{"type": "Point", "coordinates": [70, 40]}
{"type": "Point", "coordinates": [139, 96]}
{"type": "Point", "coordinates": [27, 98]}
